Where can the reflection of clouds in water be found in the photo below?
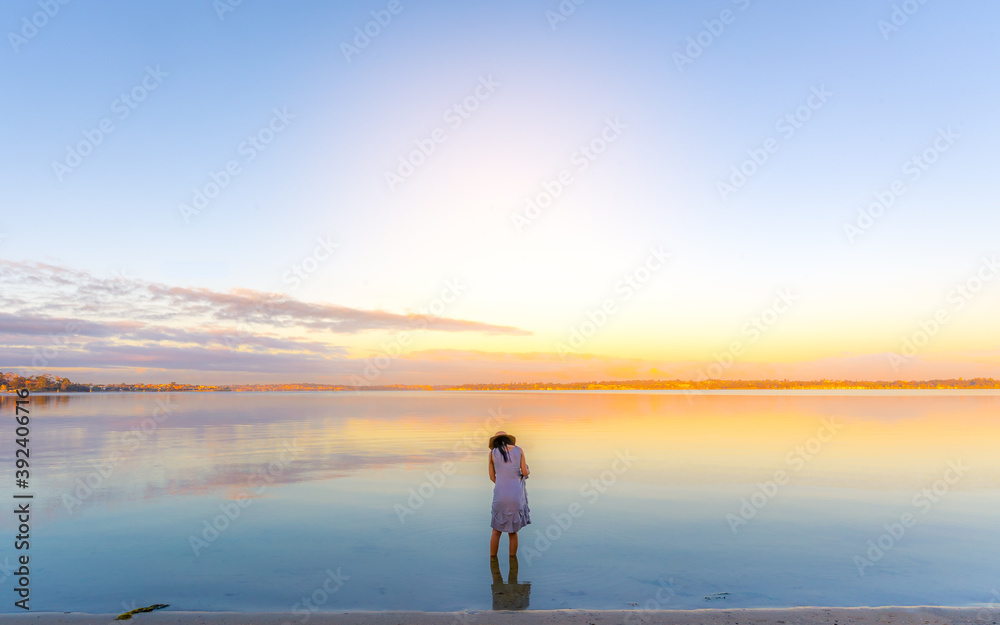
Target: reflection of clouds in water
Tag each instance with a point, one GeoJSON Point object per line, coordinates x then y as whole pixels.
{"type": "Point", "coordinates": [215, 444]}
{"type": "Point", "coordinates": [212, 443]}
{"type": "Point", "coordinates": [231, 481]}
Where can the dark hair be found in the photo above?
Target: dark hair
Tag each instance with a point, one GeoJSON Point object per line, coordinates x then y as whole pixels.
{"type": "Point", "coordinates": [501, 443]}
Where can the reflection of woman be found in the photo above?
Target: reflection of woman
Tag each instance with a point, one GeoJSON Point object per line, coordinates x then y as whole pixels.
{"type": "Point", "coordinates": [508, 471]}
{"type": "Point", "coordinates": [512, 595]}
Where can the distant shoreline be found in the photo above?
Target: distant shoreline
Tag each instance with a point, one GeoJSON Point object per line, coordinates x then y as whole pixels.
{"type": "Point", "coordinates": [47, 383]}
{"type": "Point", "coordinates": [717, 392]}
{"type": "Point", "coordinates": [917, 615]}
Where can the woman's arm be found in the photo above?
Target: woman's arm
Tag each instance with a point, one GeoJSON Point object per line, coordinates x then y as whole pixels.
{"type": "Point", "coordinates": [524, 465]}
{"type": "Point", "coordinates": [493, 469]}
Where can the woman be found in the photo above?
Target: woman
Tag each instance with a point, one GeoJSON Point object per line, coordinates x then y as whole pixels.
{"type": "Point", "coordinates": [508, 470]}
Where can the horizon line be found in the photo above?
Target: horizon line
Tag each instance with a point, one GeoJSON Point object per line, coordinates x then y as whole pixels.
{"type": "Point", "coordinates": [637, 384]}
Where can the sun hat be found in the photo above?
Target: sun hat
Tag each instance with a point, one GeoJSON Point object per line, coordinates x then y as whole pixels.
{"type": "Point", "coordinates": [513, 440]}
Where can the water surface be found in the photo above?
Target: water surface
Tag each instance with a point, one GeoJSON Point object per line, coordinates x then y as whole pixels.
{"type": "Point", "coordinates": [380, 501]}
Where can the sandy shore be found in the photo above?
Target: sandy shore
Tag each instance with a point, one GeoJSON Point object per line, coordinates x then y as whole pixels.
{"type": "Point", "coordinates": [763, 616]}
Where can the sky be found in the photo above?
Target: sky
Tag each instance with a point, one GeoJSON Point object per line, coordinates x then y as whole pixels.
{"type": "Point", "coordinates": [433, 192]}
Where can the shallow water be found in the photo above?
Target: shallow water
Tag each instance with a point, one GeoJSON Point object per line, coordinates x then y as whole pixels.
{"type": "Point", "coordinates": [380, 501]}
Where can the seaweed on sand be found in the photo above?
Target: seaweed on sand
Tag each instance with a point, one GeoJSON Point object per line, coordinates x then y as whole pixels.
{"type": "Point", "coordinates": [127, 615]}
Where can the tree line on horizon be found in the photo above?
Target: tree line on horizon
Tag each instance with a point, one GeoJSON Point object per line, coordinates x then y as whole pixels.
{"type": "Point", "coordinates": [44, 382]}
{"type": "Point", "coordinates": [47, 382]}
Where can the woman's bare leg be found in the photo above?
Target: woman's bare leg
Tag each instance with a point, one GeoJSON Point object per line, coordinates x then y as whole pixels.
{"type": "Point", "coordinates": [513, 543]}
{"type": "Point", "coordinates": [495, 543]}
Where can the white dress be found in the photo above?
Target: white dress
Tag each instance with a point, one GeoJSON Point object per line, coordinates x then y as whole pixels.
{"type": "Point", "coordinates": [510, 499]}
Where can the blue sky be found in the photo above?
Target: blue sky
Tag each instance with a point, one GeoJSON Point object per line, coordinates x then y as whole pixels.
{"type": "Point", "coordinates": [220, 77]}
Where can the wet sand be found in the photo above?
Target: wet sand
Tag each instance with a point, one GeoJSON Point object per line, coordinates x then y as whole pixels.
{"type": "Point", "coordinates": [921, 615]}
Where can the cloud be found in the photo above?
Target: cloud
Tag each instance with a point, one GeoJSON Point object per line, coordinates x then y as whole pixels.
{"type": "Point", "coordinates": [55, 317]}
{"type": "Point", "coordinates": [53, 289]}
{"type": "Point", "coordinates": [37, 325]}
{"type": "Point", "coordinates": [61, 361]}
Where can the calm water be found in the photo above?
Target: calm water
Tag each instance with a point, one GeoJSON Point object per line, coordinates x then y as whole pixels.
{"type": "Point", "coordinates": [383, 499]}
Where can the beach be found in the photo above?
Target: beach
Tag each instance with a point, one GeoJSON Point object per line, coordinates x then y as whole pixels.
{"type": "Point", "coordinates": [918, 615]}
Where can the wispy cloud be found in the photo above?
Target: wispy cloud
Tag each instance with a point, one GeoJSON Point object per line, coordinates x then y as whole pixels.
{"type": "Point", "coordinates": [47, 289]}
{"type": "Point", "coordinates": [55, 317]}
